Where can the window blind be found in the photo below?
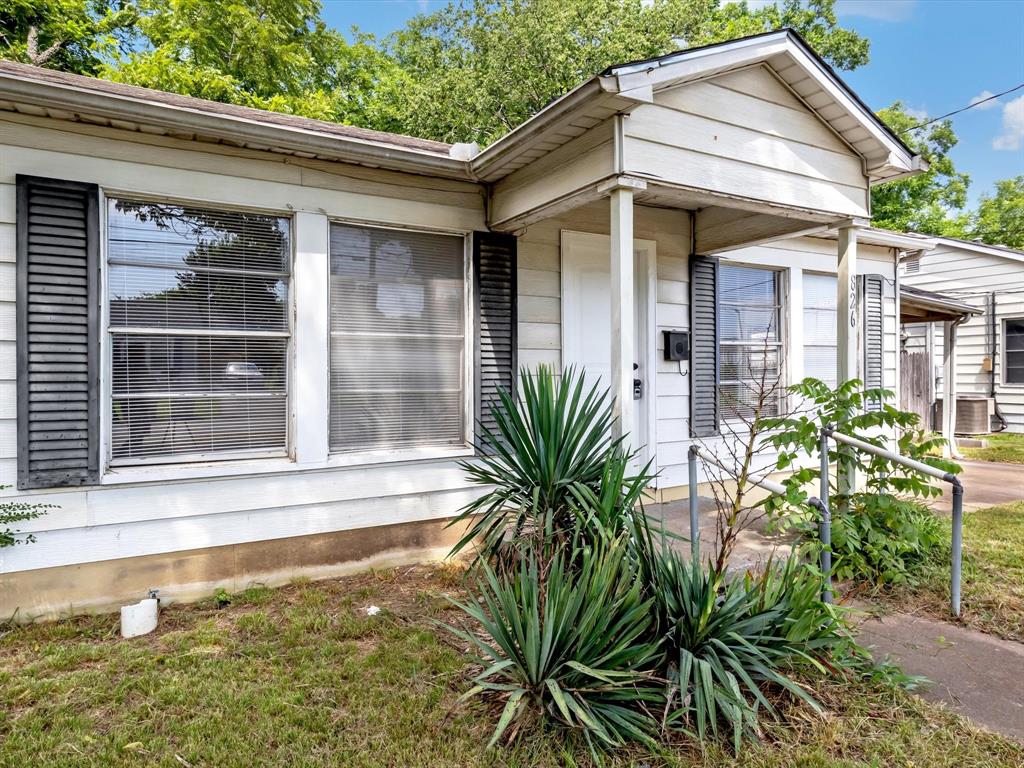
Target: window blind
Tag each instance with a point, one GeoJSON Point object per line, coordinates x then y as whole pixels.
{"type": "Point", "coordinates": [199, 332]}
{"type": "Point", "coordinates": [820, 330]}
{"type": "Point", "coordinates": [397, 339]}
{"type": "Point", "coordinates": [749, 339]}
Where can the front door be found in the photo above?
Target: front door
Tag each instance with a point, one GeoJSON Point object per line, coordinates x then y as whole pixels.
{"type": "Point", "coordinates": [586, 326]}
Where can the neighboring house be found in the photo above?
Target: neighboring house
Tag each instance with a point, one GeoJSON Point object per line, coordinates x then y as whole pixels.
{"type": "Point", "coordinates": [989, 348]}
{"type": "Point", "coordinates": [247, 346]}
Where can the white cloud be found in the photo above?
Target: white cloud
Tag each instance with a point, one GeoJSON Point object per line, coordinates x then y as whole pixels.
{"type": "Point", "coordinates": [917, 114]}
{"type": "Point", "coordinates": [988, 104]}
{"type": "Point", "coordinates": [1012, 137]}
{"type": "Point", "coordinates": [883, 10]}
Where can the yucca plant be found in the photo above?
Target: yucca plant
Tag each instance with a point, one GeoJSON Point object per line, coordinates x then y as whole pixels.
{"type": "Point", "coordinates": [727, 641]}
{"type": "Point", "coordinates": [551, 446]}
{"type": "Point", "coordinates": [568, 642]}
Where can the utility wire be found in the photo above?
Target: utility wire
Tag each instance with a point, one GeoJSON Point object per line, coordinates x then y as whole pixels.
{"type": "Point", "coordinates": [962, 109]}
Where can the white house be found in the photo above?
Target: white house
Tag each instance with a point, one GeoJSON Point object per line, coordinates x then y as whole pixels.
{"type": "Point", "coordinates": [989, 348]}
{"type": "Point", "coordinates": [241, 346]}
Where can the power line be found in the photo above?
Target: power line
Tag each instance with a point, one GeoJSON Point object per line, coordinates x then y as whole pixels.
{"type": "Point", "coordinates": [962, 109]}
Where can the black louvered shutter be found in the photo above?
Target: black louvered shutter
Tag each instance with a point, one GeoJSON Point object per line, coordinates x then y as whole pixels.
{"type": "Point", "coordinates": [494, 283]}
{"type": "Point", "coordinates": [58, 333]}
{"type": "Point", "coordinates": [704, 404]}
{"type": "Point", "coordinates": [871, 300]}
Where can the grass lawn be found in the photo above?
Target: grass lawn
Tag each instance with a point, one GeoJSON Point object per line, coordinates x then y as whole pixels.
{"type": "Point", "coordinates": [1006, 447]}
{"type": "Point", "coordinates": [302, 676]}
{"type": "Point", "coordinates": [992, 593]}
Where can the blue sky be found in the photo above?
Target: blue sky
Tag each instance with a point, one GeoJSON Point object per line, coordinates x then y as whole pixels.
{"type": "Point", "coordinates": [934, 55]}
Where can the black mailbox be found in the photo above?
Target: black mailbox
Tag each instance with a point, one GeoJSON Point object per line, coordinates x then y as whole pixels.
{"type": "Point", "coordinates": [677, 345]}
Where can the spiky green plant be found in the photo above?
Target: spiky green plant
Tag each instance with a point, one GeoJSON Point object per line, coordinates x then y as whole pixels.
{"type": "Point", "coordinates": [568, 642]}
{"type": "Point", "coordinates": [551, 446]}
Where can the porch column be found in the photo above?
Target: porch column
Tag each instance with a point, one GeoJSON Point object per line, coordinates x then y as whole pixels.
{"type": "Point", "coordinates": [622, 278]}
{"type": "Point", "coordinates": [847, 326]}
{"type": "Point", "coordinates": [949, 450]}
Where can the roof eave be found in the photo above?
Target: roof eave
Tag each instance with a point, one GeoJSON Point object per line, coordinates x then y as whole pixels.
{"type": "Point", "coordinates": [229, 128]}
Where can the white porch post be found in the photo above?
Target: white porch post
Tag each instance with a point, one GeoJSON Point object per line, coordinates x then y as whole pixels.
{"type": "Point", "coordinates": [622, 278]}
{"type": "Point", "coordinates": [847, 327]}
{"type": "Point", "coordinates": [949, 389]}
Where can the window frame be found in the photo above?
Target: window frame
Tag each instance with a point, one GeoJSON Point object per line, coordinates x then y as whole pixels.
{"type": "Point", "coordinates": [803, 317]}
{"type": "Point", "coordinates": [466, 447]}
{"type": "Point", "coordinates": [1005, 349]}
{"type": "Point", "coordinates": [179, 463]}
{"type": "Point", "coordinates": [782, 334]}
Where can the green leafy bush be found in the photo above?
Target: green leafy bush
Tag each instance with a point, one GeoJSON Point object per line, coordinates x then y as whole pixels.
{"type": "Point", "coordinates": [569, 641]}
{"type": "Point", "coordinates": [882, 533]}
{"type": "Point", "coordinates": [17, 512]}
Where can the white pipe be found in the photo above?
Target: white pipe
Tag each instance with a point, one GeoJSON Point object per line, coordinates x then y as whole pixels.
{"type": "Point", "coordinates": [755, 479]}
{"type": "Point", "coordinates": [921, 467]}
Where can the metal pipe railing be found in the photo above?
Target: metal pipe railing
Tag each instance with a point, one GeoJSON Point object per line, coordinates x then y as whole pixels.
{"type": "Point", "coordinates": [956, 564]}
{"type": "Point", "coordinates": [825, 517]}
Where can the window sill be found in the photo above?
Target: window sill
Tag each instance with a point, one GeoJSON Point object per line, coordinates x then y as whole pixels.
{"type": "Point", "coordinates": [214, 470]}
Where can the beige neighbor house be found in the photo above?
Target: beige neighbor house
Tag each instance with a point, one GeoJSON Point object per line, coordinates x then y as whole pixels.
{"type": "Point", "coordinates": [988, 348]}
{"type": "Point", "coordinates": [239, 346]}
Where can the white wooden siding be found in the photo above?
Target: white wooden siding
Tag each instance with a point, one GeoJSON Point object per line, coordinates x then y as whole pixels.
{"type": "Point", "coordinates": [217, 505]}
{"type": "Point", "coordinates": [972, 277]}
{"type": "Point", "coordinates": [744, 134]}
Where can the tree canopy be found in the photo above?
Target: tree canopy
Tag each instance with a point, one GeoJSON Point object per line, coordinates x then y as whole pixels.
{"type": "Point", "coordinates": [1000, 217]}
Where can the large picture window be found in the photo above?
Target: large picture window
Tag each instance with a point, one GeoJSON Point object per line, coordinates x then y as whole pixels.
{"type": "Point", "coordinates": [820, 330]}
{"type": "Point", "coordinates": [398, 339]}
{"type": "Point", "coordinates": [198, 331]}
{"type": "Point", "coordinates": [1013, 336]}
{"type": "Point", "coordinates": [749, 336]}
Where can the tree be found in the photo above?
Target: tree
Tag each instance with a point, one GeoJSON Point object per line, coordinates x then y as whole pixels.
{"type": "Point", "coordinates": [269, 54]}
{"type": "Point", "coordinates": [72, 35]}
{"type": "Point", "coordinates": [929, 202]}
{"type": "Point", "coordinates": [1000, 217]}
{"type": "Point", "coordinates": [478, 68]}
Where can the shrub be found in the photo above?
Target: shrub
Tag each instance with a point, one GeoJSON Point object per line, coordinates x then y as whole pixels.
{"type": "Point", "coordinates": [569, 642]}
{"type": "Point", "coordinates": [17, 512]}
{"type": "Point", "coordinates": [552, 449]}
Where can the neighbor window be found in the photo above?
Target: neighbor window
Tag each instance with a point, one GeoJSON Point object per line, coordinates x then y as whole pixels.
{"type": "Point", "coordinates": [1013, 335]}
{"type": "Point", "coordinates": [820, 331]}
{"type": "Point", "coordinates": [398, 339]}
{"type": "Point", "coordinates": [749, 339]}
{"type": "Point", "coordinates": [198, 331]}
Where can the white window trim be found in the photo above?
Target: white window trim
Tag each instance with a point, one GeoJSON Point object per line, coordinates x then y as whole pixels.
{"type": "Point", "coordinates": [466, 448]}
{"type": "Point", "coordinates": [1002, 356]}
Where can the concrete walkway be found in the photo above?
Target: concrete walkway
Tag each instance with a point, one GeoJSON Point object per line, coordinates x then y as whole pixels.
{"type": "Point", "coordinates": [975, 674]}
{"type": "Point", "coordinates": [987, 484]}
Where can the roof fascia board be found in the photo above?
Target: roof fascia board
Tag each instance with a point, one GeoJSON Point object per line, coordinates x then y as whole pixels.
{"type": "Point", "coordinates": [988, 250]}
{"type": "Point", "coordinates": [229, 127]}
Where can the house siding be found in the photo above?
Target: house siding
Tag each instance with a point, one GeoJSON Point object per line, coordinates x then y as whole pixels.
{"type": "Point", "coordinates": [973, 277]}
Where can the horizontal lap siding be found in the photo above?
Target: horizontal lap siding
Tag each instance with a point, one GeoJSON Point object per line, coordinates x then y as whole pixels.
{"type": "Point", "coordinates": [123, 520]}
{"type": "Point", "coordinates": [971, 276]}
{"type": "Point", "coordinates": [710, 135]}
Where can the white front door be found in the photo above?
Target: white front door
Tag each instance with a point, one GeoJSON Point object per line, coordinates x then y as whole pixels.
{"type": "Point", "coordinates": [586, 321]}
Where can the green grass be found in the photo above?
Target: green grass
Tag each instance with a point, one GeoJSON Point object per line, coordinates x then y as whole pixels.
{"type": "Point", "coordinates": [1006, 447]}
{"type": "Point", "coordinates": [992, 593]}
{"type": "Point", "coordinates": [301, 676]}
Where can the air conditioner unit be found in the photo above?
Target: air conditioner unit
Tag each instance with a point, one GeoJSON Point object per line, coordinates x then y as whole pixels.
{"type": "Point", "coordinates": [973, 415]}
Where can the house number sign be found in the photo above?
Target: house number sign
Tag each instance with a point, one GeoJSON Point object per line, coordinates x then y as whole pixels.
{"type": "Point", "coordinates": [853, 301]}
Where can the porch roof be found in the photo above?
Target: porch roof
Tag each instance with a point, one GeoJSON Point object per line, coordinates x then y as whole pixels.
{"type": "Point", "coordinates": [918, 306]}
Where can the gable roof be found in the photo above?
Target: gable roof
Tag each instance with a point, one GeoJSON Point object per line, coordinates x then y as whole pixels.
{"type": "Point", "coordinates": [624, 86]}
{"type": "Point", "coordinates": [1000, 251]}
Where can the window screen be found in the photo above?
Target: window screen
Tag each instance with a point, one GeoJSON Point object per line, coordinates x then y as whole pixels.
{"type": "Point", "coordinates": [397, 339]}
{"type": "Point", "coordinates": [749, 340]}
{"type": "Point", "coordinates": [820, 331]}
{"type": "Point", "coordinates": [198, 329]}
{"type": "Point", "coordinates": [1014, 330]}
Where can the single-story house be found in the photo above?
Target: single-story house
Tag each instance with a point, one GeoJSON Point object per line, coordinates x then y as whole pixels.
{"type": "Point", "coordinates": [989, 348]}
{"type": "Point", "coordinates": [243, 346]}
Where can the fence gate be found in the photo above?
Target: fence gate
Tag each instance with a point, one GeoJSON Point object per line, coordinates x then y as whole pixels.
{"type": "Point", "coordinates": [915, 384]}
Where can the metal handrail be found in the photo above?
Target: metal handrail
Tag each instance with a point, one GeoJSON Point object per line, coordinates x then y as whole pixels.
{"type": "Point", "coordinates": [824, 523]}
{"type": "Point", "coordinates": [956, 556]}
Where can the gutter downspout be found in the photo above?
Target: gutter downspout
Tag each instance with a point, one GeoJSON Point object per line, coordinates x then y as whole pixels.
{"type": "Point", "coordinates": [993, 347]}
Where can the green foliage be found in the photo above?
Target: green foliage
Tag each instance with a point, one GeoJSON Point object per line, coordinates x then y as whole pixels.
{"type": "Point", "coordinates": [550, 454]}
{"type": "Point", "coordinates": [881, 533]}
{"type": "Point", "coordinates": [71, 35]}
{"type": "Point", "coordinates": [18, 512]}
{"type": "Point", "coordinates": [1000, 217]}
{"type": "Point", "coordinates": [568, 642]}
{"type": "Point", "coordinates": [929, 202]}
{"type": "Point", "coordinates": [478, 68]}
